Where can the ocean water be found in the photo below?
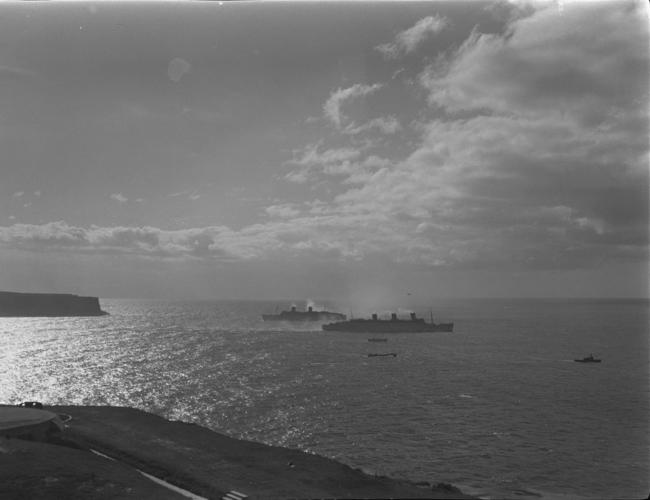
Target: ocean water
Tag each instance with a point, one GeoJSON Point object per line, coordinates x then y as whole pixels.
{"type": "Point", "coordinates": [498, 407]}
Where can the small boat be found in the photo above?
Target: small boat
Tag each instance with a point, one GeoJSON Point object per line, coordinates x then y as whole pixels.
{"type": "Point", "coordinates": [372, 355]}
{"type": "Point", "coordinates": [588, 359]}
{"type": "Point", "coordinates": [377, 340]}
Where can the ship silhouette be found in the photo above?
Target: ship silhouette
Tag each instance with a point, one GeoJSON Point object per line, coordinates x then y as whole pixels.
{"type": "Point", "coordinates": [308, 315]}
{"type": "Point", "coordinates": [392, 325]}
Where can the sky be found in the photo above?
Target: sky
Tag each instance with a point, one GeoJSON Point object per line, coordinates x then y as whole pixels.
{"type": "Point", "coordinates": [270, 150]}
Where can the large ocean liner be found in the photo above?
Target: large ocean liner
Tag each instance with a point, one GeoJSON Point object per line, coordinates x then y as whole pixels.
{"type": "Point", "coordinates": [392, 325]}
{"type": "Point", "coordinates": [308, 315]}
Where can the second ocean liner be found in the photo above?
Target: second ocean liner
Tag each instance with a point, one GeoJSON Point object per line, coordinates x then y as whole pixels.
{"type": "Point", "coordinates": [308, 315]}
{"type": "Point", "coordinates": [392, 325]}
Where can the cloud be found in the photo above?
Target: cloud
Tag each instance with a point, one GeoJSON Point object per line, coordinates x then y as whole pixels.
{"type": "Point", "coordinates": [538, 160]}
{"type": "Point", "coordinates": [541, 159]}
{"type": "Point", "coordinates": [408, 40]}
{"type": "Point", "coordinates": [177, 68]}
{"type": "Point", "coordinates": [531, 152]}
{"type": "Point", "coordinates": [332, 107]}
{"type": "Point", "coordinates": [287, 210]}
{"type": "Point", "coordinates": [135, 241]}
{"type": "Point", "coordinates": [37, 193]}
{"type": "Point", "coordinates": [57, 234]}
{"type": "Point", "coordinates": [348, 165]}
{"type": "Point", "coordinates": [551, 61]}
{"type": "Point", "coordinates": [119, 197]}
{"type": "Point", "coordinates": [312, 156]}
{"type": "Point", "coordinates": [298, 176]}
{"type": "Point", "coordinates": [189, 194]}
{"type": "Point", "coordinates": [386, 125]}
{"type": "Point", "coordinates": [312, 162]}
{"type": "Point", "coordinates": [18, 194]}
{"type": "Point", "coordinates": [331, 234]}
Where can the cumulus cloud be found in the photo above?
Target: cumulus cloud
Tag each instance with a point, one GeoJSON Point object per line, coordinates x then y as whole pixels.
{"type": "Point", "coordinates": [578, 62]}
{"type": "Point", "coordinates": [408, 40]}
{"type": "Point", "coordinates": [332, 107]}
{"type": "Point", "coordinates": [311, 155]}
{"type": "Point", "coordinates": [298, 176]}
{"type": "Point", "coordinates": [331, 233]}
{"type": "Point", "coordinates": [137, 241]}
{"type": "Point", "coordinates": [533, 153]}
{"type": "Point", "coordinates": [312, 161]}
{"type": "Point", "coordinates": [347, 165]}
{"type": "Point", "coordinates": [539, 159]}
{"type": "Point", "coordinates": [286, 210]}
{"type": "Point", "coordinates": [386, 125]}
{"type": "Point", "coordinates": [119, 197]}
{"type": "Point", "coordinates": [56, 234]}
{"type": "Point", "coordinates": [18, 194]}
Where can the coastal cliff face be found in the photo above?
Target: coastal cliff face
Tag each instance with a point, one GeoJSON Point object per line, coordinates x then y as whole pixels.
{"type": "Point", "coordinates": [14, 304]}
{"type": "Point", "coordinates": [188, 456]}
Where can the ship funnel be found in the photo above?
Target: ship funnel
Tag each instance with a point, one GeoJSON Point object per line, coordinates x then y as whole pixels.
{"type": "Point", "coordinates": [309, 309]}
{"type": "Point", "coordinates": [413, 316]}
{"type": "Point", "coordinates": [374, 317]}
{"type": "Point", "coordinates": [293, 309]}
{"type": "Point", "coordinates": [393, 316]}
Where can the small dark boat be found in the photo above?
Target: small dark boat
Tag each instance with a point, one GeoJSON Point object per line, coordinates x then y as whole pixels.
{"type": "Point", "coordinates": [588, 359]}
{"type": "Point", "coordinates": [377, 340]}
{"type": "Point", "coordinates": [394, 354]}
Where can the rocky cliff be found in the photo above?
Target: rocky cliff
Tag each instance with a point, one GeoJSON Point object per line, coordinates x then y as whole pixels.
{"type": "Point", "coordinates": [48, 304]}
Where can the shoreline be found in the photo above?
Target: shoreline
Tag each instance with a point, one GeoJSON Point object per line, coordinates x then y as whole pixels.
{"type": "Point", "coordinates": [188, 456]}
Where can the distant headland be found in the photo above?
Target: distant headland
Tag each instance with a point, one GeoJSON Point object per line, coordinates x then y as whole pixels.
{"type": "Point", "coordinates": [15, 304]}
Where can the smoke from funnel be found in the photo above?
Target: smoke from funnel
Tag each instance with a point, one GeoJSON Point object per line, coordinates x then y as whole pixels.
{"type": "Point", "coordinates": [313, 305]}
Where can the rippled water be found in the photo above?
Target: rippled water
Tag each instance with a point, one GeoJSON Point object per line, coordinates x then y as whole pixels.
{"type": "Point", "coordinates": [498, 407]}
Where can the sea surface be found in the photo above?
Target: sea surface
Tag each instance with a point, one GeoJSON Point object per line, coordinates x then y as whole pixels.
{"type": "Point", "coordinates": [498, 408]}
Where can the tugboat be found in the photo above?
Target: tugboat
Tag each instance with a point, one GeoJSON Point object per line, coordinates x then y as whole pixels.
{"type": "Point", "coordinates": [588, 359]}
{"type": "Point", "coordinates": [308, 315]}
{"type": "Point", "coordinates": [392, 325]}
